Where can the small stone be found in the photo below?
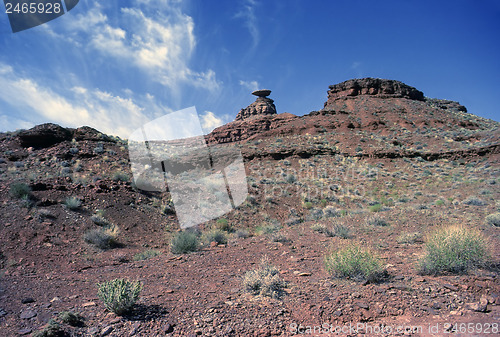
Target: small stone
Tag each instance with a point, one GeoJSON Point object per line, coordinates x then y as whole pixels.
{"type": "Point", "coordinates": [27, 300]}
{"type": "Point", "coordinates": [304, 274]}
{"type": "Point", "coordinates": [450, 286]}
{"type": "Point", "coordinates": [27, 314]}
{"type": "Point", "coordinates": [2, 313]}
{"type": "Point", "coordinates": [480, 306]}
{"type": "Point", "coordinates": [23, 332]}
{"type": "Point", "coordinates": [88, 304]}
{"type": "Point", "coordinates": [337, 313]}
{"type": "Point", "coordinates": [363, 305]}
{"type": "Point", "coordinates": [107, 330]}
{"type": "Point", "coordinates": [168, 328]}
{"type": "Point", "coordinates": [436, 305]}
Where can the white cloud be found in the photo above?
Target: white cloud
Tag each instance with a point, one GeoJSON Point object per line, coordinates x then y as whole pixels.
{"type": "Point", "coordinates": [159, 42]}
{"type": "Point", "coordinates": [79, 106]}
{"type": "Point", "coordinates": [250, 20]}
{"type": "Point", "coordinates": [250, 85]}
{"type": "Point", "coordinates": [210, 121]}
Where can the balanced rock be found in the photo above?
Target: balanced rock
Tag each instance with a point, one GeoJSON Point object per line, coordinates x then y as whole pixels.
{"type": "Point", "coordinates": [262, 92]}
{"type": "Point", "coordinates": [262, 106]}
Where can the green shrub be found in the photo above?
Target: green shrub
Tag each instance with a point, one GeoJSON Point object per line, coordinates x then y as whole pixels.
{"type": "Point", "coordinates": [51, 329]}
{"type": "Point", "coordinates": [19, 190]}
{"type": "Point", "coordinates": [119, 295]}
{"type": "Point", "coordinates": [147, 254]}
{"type": "Point", "coordinates": [223, 225]}
{"type": "Point", "coordinates": [215, 235]}
{"type": "Point", "coordinates": [71, 318]}
{"type": "Point", "coordinates": [120, 176]}
{"type": "Point", "coordinates": [439, 202]}
{"type": "Point", "coordinates": [493, 219]}
{"type": "Point", "coordinates": [103, 238]}
{"type": "Point", "coordinates": [308, 205]}
{"type": "Point", "coordinates": [264, 281]}
{"type": "Point", "coordinates": [375, 208]}
{"type": "Point", "coordinates": [184, 242]}
{"type": "Point", "coordinates": [454, 249]}
{"type": "Point", "coordinates": [355, 262]}
{"type": "Point", "coordinates": [72, 203]}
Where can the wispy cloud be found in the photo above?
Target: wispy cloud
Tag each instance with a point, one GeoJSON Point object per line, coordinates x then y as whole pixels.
{"type": "Point", "coordinates": [157, 42]}
{"type": "Point", "coordinates": [247, 13]}
{"type": "Point", "coordinates": [250, 85]}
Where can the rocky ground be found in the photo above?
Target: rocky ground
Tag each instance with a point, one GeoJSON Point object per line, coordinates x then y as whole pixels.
{"type": "Point", "coordinates": [378, 149]}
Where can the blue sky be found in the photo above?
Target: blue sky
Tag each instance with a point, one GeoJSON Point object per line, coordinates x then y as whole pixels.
{"type": "Point", "coordinates": [115, 64]}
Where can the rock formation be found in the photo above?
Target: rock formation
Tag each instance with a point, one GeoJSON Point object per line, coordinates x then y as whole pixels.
{"type": "Point", "coordinates": [44, 135]}
{"type": "Point", "coordinates": [263, 106]}
{"type": "Point", "coordinates": [373, 87]}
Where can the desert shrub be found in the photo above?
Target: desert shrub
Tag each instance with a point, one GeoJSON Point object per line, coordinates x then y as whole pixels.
{"type": "Point", "coordinates": [19, 190]}
{"type": "Point", "coordinates": [474, 201]}
{"type": "Point", "coordinates": [341, 231]}
{"type": "Point", "coordinates": [72, 203]}
{"type": "Point", "coordinates": [100, 220]}
{"type": "Point", "coordinates": [120, 176]}
{"type": "Point", "coordinates": [493, 219]}
{"type": "Point", "coordinates": [242, 233]}
{"type": "Point", "coordinates": [355, 262]}
{"type": "Point", "coordinates": [147, 254]}
{"type": "Point", "coordinates": [223, 225]}
{"type": "Point", "coordinates": [184, 242]}
{"type": "Point", "coordinates": [454, 249]}
{"type": "Point", "coordinates": [308, 205]}
{"type": "Point", "coordinates": [264, 280]}
{"type": "Point", "coordinates": [51, 329]}
{"type": "Point", "coordinates": [409, 238]}
{"type": "Point", "coordinates": [375, 208]}
{"type": "Point", "coordinates": [323, 229]}
{"type": "Point", "coordinates": [215, 235]}
{"type": "Point", "coordinates": [267, 229]}
{"type": "Point", "coordinates": [330, 212]}
{"type": "Point", "coordinates": [439, 202]}
{"type": "Point", "coordinates": [294, 220]}
{"type": "Point", "coordinates": [278, 237]}
{"type": "Point", "coordinates": [71, 318]}
{"type": "Point", "coordinates": [376, 221]}
{"type": "Point", "coordinates": [119, 295]}
{"type": "Point", "coordinates": [103, 238]}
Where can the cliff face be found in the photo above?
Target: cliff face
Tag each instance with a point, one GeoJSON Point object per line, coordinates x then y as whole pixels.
{"type": "Point", "coordinates": [374, 87]}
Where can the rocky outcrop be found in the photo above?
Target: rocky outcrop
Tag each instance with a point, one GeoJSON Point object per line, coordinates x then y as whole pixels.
{"type": "Point", "coordinates": [374, 87]}
{"type": "Point", "coordinates": [88, 133]}
{"type": "Point", "coordinates": [248, 128]}
{"type": "Point", "coordinates": [44, 135]}
{"type": "Point", "coordinates": [446, 104]}
{"type": "Point", "coordinates": [263, 106]}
